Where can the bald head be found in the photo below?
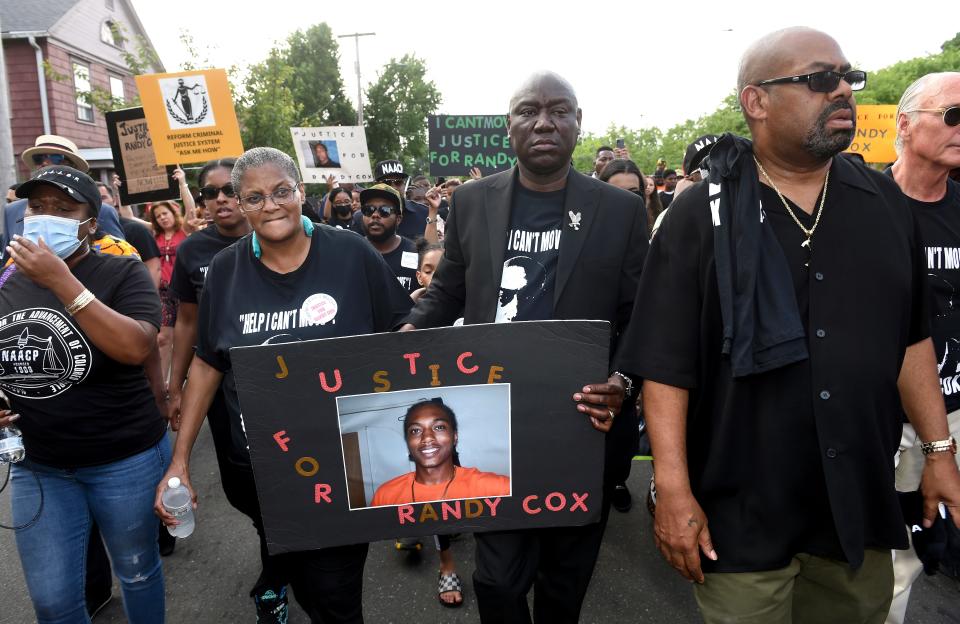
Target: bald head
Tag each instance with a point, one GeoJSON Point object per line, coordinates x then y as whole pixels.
{"type": "Point", "coordinates": [922, 93]}
{"type": "Point", "coordinates": [538, 81]}
{"type": "Point", "coordinates": [773, 54]}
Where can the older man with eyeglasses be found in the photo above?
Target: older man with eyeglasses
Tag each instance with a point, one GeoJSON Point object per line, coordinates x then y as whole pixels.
{"type": "Point", "coordinates": [796, 339]}
{"type": "Point", "coordinates": [928, 146]}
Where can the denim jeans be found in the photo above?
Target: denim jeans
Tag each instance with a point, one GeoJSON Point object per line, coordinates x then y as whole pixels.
{"type": "Point", "coordinates": [53, 551]}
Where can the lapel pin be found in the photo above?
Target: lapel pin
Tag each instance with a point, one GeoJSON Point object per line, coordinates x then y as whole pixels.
{"type": "Point", "coordinates": [575, 220]}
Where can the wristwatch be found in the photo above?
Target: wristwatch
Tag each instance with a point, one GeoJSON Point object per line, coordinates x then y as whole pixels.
{"type": "Point", "coordinates": [627, 382]}
{"type": "Point", "coordinates": [431, 220]}
{"type": "Point", "coordinates": [939, 446]}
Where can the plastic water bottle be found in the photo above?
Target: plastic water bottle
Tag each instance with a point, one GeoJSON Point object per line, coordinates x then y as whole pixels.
{"type": "Point", "coordinates": [11, 445]}
{"type": "Point", "coordinates": [178, 503]}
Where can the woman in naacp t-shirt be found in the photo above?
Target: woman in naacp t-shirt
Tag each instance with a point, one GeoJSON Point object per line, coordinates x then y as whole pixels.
{"type": "Point", "coordinates": [282, 270]}
{"type": "Point", "coordinates": [75, 330]}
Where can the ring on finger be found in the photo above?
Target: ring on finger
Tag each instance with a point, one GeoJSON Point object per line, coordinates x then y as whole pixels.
{"type": "Point", "coordinates": [612, 413]}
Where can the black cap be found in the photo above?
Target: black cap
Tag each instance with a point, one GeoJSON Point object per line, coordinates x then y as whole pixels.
{"type": "Point", "coordinates": [697, 151]}
{"type": "Point", "coordinates": [382, 190]}
{"type": "Point", "coordinates": [78, 185]}
{"type": "Point", "coordinates": [386, 168]}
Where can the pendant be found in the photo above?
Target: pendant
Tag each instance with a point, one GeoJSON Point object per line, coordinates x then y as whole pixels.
{"type": "Point", "coordinates": [806, 243]}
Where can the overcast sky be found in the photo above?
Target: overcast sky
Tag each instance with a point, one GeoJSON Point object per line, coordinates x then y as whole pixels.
{"type": "Point", "coordinates": [629, 65]}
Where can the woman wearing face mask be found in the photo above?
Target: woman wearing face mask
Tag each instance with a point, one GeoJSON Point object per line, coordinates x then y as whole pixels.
{"type": "Point", "coordinates": [283, 265]}
{"type": "Point", "coordinates": [75, 330]}
{"type": "Point", "coordinates": [342, 214]}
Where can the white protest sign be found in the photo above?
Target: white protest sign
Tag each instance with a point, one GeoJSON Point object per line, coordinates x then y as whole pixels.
{"type": "Point", "coordinates": [337, 150]}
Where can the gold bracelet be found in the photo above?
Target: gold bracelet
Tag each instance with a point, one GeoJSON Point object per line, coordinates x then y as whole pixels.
{"type": "Point", "coordinates": [82, 300]}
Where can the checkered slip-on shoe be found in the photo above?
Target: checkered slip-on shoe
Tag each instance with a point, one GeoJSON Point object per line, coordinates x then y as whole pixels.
{"type": "Point", "coordinates": [450, 583]}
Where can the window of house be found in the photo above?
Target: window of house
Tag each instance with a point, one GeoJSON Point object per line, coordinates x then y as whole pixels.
{"type": "Point", "coordinates": [116, 88]}
{"type": "Point", "coordinates": [109, 34]}
{"type": "Point", "coordinates": [81, 85]}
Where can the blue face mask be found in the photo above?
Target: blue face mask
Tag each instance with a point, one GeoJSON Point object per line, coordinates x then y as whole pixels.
{"type": "Point", "coordinates": [59, 233]}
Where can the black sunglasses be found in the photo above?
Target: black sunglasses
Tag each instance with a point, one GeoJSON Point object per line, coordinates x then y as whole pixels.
{"type": "Point", "coordinates": [385, 211]}
{"type": "Point", "coordinates": [951, 115]}
{"type": "Point", "coordinates": [213, 192]}
{"type": "Point", "coordinates": [55, 159]}
{"type": "Point", "coordinates": [823, 81]}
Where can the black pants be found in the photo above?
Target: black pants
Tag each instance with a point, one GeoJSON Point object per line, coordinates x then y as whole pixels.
{"type": "Point", "coordinates": [327, 583]}
{"type": "Point", "coordinates": [557, 563]}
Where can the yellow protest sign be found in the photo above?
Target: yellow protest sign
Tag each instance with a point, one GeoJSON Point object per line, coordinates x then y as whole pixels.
{"type": "Point", "coordinates": [876, 131]}
{"type": "Point", "coordinates": [190, 116]}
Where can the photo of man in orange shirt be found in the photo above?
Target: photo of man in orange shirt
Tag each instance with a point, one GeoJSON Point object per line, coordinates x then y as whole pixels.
{"type": "Point", "coordinates": [430, 430]}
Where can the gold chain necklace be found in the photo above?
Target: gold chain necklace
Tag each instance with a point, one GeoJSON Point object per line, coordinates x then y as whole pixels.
{"type": "Point", "coordinates": [443, 496]}
{"type": "Point", "coordinates": [816, 222]}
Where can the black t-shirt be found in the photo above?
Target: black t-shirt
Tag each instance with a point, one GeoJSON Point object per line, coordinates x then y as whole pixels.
{"type": "Point", "coordinates": [244, 303]}
{"type": "Point", "coordinates": [798, 459]}
{"type": "Point", "coordinates": [193, 257]}
{"type": "Point", "coordinates": [939, 224]}
{"type": "Point", "coordinates": [530, 261]}
{"type": "Point", "coordinates": [78, 407]}
{"type": "Point", "coordinates": [140, 237]}
{"type": "Point", "coordinates": [665, 199]}
{"type": "Point", "coordinates": [403, 262]}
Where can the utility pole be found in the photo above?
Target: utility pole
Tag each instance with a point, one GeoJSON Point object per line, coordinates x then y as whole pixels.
{"type": "Point", "coordinates": [356, 39]}
{"type": "Point", "coordinates": [8, 173]}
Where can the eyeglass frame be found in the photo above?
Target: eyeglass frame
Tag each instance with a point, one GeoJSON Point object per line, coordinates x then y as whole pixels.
{"type": "Point", "coordinates": [55, 159]}
{"type": "Point", "coordinates": [943, 113]}
{"type": "Point", "coordinates": [806, 78]}
{"type": "Point", "coordinates": [268, 196]}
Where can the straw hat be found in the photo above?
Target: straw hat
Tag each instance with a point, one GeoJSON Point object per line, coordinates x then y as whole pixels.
{"type": "Point", "coordinates": [53, 144]}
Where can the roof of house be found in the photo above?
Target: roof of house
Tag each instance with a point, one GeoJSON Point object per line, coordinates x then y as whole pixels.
{"type": "Point", "coordinates": [37, 16]}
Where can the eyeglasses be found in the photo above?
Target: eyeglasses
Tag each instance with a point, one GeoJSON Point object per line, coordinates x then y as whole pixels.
{"type": "Point", "coordinates": [253, 203]}
{"type": "Point", "coordinates": [823, 81]}
{"type": "Point", "coordinates": [395, 181]}
{"type": "Point", "coordinates": [213, 192]}
{"type": "Point", "coordinates": [951, 115]}
{"type": "Point", "coordinates": [55, 159]}
{"type": "Point", "coordinates": [384, 211]}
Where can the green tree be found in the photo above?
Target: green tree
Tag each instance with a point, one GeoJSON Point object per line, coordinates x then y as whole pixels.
{"type": "Point", "coordinates": [398, 104]}
{"type": "Point", "coordinates": [266, 107]}
{"type": "Point", "coordinates": [885, 86]}
{"type": "Point", "coordinates": [317, 87]}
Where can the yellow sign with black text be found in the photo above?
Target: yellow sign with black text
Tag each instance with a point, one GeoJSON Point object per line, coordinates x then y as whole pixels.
{"type": "Point", "coordinates": [876, 131]}
{"type": "Point", "coordinates": [190, 116]}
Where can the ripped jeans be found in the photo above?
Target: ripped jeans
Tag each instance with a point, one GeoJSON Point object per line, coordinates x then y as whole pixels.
{"type": "Point", "coordinates": [53, 551]}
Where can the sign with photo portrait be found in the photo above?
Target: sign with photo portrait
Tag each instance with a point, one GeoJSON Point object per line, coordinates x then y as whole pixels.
{"type": "Point", "coordinates": [190, 116]}
{"type": "Point", "coordinates": [133, 159]}
{"type": "Point", "coordinates": [417, 433]}
{"type": "Point", "coordinates": [333, 150]}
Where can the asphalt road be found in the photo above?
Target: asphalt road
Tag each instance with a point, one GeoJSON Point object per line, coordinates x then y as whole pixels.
{"type": "Point", "coordinates": [209, 575]}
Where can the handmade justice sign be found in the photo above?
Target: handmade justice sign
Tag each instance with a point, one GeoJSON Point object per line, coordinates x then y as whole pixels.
{"type": "Point", "coordinates": [133, 159]}
{"type": "Point", "coordinates": [435, 431]}
{"type": "Point", "coordinates": [190, 116]}
{"type": "Point", "coordinates": [460, 142]}
{"type": "Point", "coordinates": [336, 150]}
{"type": "Point", "coordinates": [876, 133]}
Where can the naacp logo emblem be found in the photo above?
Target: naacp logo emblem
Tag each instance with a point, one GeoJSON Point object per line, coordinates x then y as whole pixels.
{"type": "Point", "coordinates": [187, 102]}
{"type": "Point", "coordinates": [41, 354]}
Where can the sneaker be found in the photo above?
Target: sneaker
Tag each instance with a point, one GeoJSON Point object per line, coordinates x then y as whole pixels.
{"type": "Point", "coordinates": [621, 499]}
{"type": "Point", "coordinates": [96, 605]}
{"type": "Point", "coordinates": [272, 607]}
{"type": "Point", "coordinates": [408, 543]}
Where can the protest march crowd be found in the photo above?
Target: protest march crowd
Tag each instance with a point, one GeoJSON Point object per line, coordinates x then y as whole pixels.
{"type": "Point", "coordinates": [783, 331]}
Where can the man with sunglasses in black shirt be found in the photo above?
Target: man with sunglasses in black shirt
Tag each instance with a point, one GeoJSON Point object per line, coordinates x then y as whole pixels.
{"type": "Point", "coordinates": [797, 337]}
{"type": "Point", "coordinates": [380, 210]}
{"type": "Point", "coordinates": [928, 146]}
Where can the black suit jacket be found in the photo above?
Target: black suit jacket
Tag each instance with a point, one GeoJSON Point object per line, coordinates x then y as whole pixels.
{"type": "Point", "coordinates": [598, 269]}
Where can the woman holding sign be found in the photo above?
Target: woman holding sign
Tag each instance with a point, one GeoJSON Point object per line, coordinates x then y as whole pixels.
{"type": "Point", "coordinates": [281, 270]}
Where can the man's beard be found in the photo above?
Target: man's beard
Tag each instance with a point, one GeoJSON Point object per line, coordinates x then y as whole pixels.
{"type": "Point", "coordinates": [824, 143]}
{"type": "Point", "coordinates": [384, 236]}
